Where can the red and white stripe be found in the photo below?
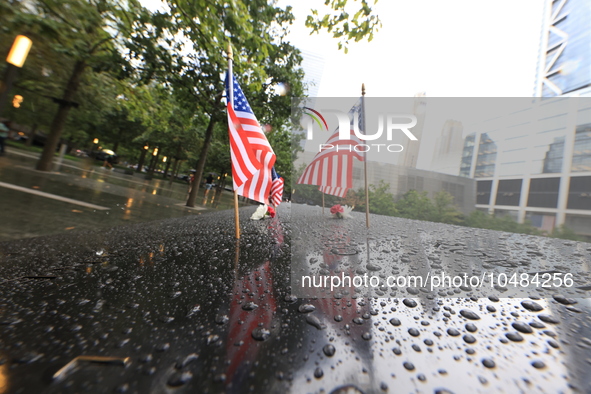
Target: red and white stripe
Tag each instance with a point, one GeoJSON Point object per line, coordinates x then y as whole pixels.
{"type": "Point", "coordinates": [332, 169]}
{"type": "Point", "coordinates": [252, 156]}
{"type": "Point", "coordinates": [277, 191]}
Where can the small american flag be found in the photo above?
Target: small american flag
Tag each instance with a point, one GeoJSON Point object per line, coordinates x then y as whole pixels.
{"type": "Point", "coordinates": [276, 188]}
{"type": "Point", "coordinates": [332, 169]}
{"type": "Point", "coordinates": [251, 154]}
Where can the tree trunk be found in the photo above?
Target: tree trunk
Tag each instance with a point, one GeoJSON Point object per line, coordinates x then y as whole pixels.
{"type": "Point", "coordinates": [140, 163]}
{"type": "Point", "coordinates": [174, 170]}
{"type": "Point", "coordinates": [59, 121]}
{"type": "Point", "coordinates": [116, 146]}
{"type": "Point", "coordinates": [31, 135]}
{"type": "Point", "coordinates": [201, 163]}
{"type": "Point", "coordinates": [166, 168]}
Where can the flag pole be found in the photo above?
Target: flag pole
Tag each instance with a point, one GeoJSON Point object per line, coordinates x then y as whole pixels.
{"type": "Point", "coordinates": [365, 157]}
{"type": "Point", "coordinates": [322, 203]}
{"type": "Point", "coordinates": [231, 100]}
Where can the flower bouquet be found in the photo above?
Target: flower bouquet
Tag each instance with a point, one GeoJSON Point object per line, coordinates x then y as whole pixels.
{"type": "Point", "coordinates": [341, 211]}
{"type": "Point", "coordinates": [262, 212]}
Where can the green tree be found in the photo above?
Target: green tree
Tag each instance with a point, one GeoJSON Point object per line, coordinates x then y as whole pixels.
{"type": "Point", "coordinates": [415, 205]}
{"type": "Point", "coordinates": [381, 201]}
{"type": "Point", "coordinates": [337, 20]}
{"type": "Point", "coordinates": [444, 210]}
{"type": "Point", "coordinates": [86, 33]}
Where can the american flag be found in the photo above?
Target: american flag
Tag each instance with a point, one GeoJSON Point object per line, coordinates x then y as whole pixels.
{"type": "Point", "coordinates": [276, 188]}
{"type": "Point", "coordinates": [252, 156]}
{"type": "Point", "coordinates": [332, 169]}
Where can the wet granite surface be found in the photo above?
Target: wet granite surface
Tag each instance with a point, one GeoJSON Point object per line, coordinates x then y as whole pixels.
{"type": "Point", "coordinates": [180, 308]}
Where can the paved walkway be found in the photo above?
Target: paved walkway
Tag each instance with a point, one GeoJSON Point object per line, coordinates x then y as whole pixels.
{"type": "Point", "coordinates": [81, 196]}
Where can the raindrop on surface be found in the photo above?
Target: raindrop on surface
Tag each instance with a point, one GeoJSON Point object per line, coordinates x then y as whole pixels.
{"type": "Point", "coordinates": [414, 332]}
{"type": "Point", "coordinates": [306, 308]}
{"type": "Point", "coordinates": [548, 319]}
{"type": "Point", "coordinates": [358, 320]}
{"type": "Point", "coordinates": [366, 336]}
{"type": "Point", "coordinates": [338, 318]}
{"type": "Point", "coordinates": [329, 350]}
{"type": "Point", "coordinates": [395, 321]}
{"type": "Point", "coordinates": [453, 332]}
{"type": "Point", "coordinates": [514, 336]}
{"type": "Point", "coordinates": [318, 373]}
{"type": "Point", "coordinates": [488, 363]}
{"type": "Point", "coordinates": [408, 365]}
{"type": "Point", "coordinates": [180, 378]}
{"type": "Point", "coordinates": [532, 306]}
{"type": "Point", "coordinates": [538, 364]}
{"type": "Point", "coordinates": [522, 327]}
{"type": "Point", "coordinates": [221, 319]}
{"type": "Point", "coordinates": [468, 314]}
{"type": "Point", "coordinates": [314, 321]}
{"type": "Point", "coordinates": [290, 298]}
{"type": "Point", "coordinates": [250, 306]}
{"type": "Point", "coordinates": [471, 327]}
{"type": "Point", "coordinates": [260, 334]}
{"type": "Point", "coordinates": [468, 338]}
{"type": "Point", "coordinates": [409, 302]}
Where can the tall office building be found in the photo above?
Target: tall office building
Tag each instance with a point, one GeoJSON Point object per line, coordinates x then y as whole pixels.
{"type": "Point", "coordinates": [537, 167]}
{"type": "Point", "coordinates": [564, 62]}
{"type": "Point", "coordinates": [448, 148]}
{"type": "Point", "coordinates": [411, 150]}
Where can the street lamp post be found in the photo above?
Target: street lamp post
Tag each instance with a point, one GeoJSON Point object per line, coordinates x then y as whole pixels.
{"type": "Point", "coordinates": [15, 60]}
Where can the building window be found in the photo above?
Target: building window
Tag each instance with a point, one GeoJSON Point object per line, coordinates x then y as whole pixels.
{"type": "Point", "coordinates": [554, 156]}
{"type": "Point", "coordinates": [543, 193]}
{"type": "Point", "coordinates": [541, 220]}
{"type": "Point", "coordinates": [579, 193]}
{"type": "Point", "coordinates": [487, 156]}
{"type": "Point", "coordinates": [509, 192]}
{"type": "Point", "coordinates": [467, 156]}
{"type": "Point", "coordinates": [483, 192]}
{"type": "Point", "coordinates": [582, 149]}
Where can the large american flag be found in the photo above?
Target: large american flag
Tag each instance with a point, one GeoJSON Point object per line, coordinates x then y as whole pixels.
{"type": "Point", "coordinates": [252, 156]}
{"type": "Point", "coordinates": [332, 170]}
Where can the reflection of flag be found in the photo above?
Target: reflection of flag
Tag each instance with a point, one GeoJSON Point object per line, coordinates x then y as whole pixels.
{"type": "Point", "coordinates": [276, 188]}
{"type": "Point", "coordinates": [252, 156]}
{"type": "Point", "coordinates": [332, 169]}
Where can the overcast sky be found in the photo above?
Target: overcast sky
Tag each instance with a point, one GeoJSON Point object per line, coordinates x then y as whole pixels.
{"type": "Point", "coordinates": [449, 48]}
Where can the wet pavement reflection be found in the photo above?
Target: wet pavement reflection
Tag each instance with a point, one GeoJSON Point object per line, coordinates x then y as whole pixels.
{"type": "Point", "coordinates": [180, 306]}
{"type": "Point", "coordinates": [81, 196]}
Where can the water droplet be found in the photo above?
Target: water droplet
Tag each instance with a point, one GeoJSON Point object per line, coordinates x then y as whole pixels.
{"type": "Point", "coordinates": [453, 332]}
{"type": "Point", "coordinates": [221, 319]}
{"type": "Point", "coordinates": [488, 363]}
{"type": "Point", "coordinates": [414, 332]}
{"type": "Point", "coordinates": [468, 338]}
{"type": "Point", "coordinates": [318, 373]}
{"type": "Point", "coordinates": [338, 318]}
{"type": "Point", "coordinates": [180, 378]}
{"type": "Point", "coordinates": [366, 336]}
{"type": "Point", "coordinates": [548, 319]}
{"type": "Point", "coordinates": [532, 306]}
{"type": "Point", "coordinates": [329, 350]}
{"type": "Point", "coordinates": [514, 336]}
{"type": "Point", "coordinates": [358, 320]}
{"type": "Point", "coordinates": [522, 327]}
{"type": "Point", "coordinates": [314, 321]}
{"type": "Point", "coordinates": [395, 321]}
{"type": "Point", "coordinates": [538, 364]}
{"type": "Point", "coordinates": [290, 298]}
{"type": "Point", "coordinates": [250, 306]}
{"type": "Point", "coordinates": [471, 327]}
{"type": "Point", "coordinates": [408, 365]}
{"type": "Point", "coordinates": [260, 334]}
{"type": "Point", "coordinates": [409, 302]}
{"type": "Point", "coordinates": [306, 308]}
{"type": "Point", "coordinates": [468, 314]}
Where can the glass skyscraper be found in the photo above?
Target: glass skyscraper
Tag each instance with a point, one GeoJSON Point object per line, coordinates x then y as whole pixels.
{"type": "Point", "coordinates": [564, 64]}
